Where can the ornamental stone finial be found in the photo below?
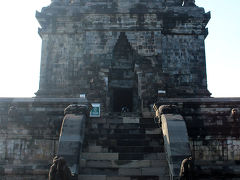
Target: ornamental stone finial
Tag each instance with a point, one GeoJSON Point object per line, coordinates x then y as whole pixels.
{"type": "Point", "coordinates": [78, 109]}
{"type": "Point", "coordinates": [188, 3]}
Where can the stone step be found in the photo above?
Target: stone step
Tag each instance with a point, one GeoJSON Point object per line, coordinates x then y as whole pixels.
{"type": "Point", "coordinates": [116, 120]}
{"type": "Point", "coordinates": [122, 163]}
{"type": "Point", "coordinates": [147, 120]}
{"type": "Point", "coordinates": [124, 131]}
{"type": "Point", "coordinates": [149, 171]}
{"type": "Point", "coordinates": [122, 126]}
{"type": "Point", "coordinates": [124, 136]}
{"type": "Point", "coordinates": [126, 114]}
{"type": "Point", "coordinates": [104, 177]}
{"type": "Point", "coordinates": [121, 120]}
{"type": "Point", "coordinates": [115, 131]}
{"type": "Point", "coordinates": [137, 149]}
{"type": "Point", "coordinates": [123, 142]}
{"type": "Point", "coordinates": [131, 156]}
{"type": "Point", "coordinates": [123, 156]}
{"type": "Point", "coordinates": [138, 142]}
{"type": "Point", "coordinates": [100, 156]}
{"type": "Point", "coordinates": [123, 149]}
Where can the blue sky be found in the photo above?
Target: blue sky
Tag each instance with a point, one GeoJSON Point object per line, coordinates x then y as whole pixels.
{"type": "Point", "coordinates": [21, 47]}
{"type": "Point", "coordinates": [222, 47]}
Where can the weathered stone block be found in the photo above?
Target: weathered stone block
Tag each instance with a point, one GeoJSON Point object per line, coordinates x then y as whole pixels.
{"type": "Point", "coordinates": [97, 149]}
{"type": "Point", "coordinates": [118, 178]}
{"type": "Point", "coordinates": [129, 172]}
{"type": "Point", "coordinates": [131, 163]}
{"type": "Point", "coordinates": [130, 120]}
{"type": "Point", "coordinates": [155, 156]}
{"type": "Point", "coordinates": [159, 163]}
{"type": "Point", "coordinates": [154, 131]}
{"type": "Point", "coordinates": [92, 177]}
{"type": "Point", "coordinates": [154, 171]}
{"type": "Point", "coordinates": [100, 156]}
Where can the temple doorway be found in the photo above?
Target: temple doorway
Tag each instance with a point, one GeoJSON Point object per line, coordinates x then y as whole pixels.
{"type": "Point", "coordinates": [122, 97]}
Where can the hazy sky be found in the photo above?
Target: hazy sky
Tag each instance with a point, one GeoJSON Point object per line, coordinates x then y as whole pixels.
{"type": "Point", "coordinates": [21, 47]}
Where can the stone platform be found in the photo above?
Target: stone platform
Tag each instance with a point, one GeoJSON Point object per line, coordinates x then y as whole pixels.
{"type": "Point", "coordinates": [29, 136]}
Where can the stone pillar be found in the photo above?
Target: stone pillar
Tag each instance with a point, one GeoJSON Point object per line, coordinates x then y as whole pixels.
{"type": "Point", "coordinates": [72, 135]}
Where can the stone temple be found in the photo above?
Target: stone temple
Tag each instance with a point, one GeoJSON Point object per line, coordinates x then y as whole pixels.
{"type": "Point", "coordinates": [122, 96]}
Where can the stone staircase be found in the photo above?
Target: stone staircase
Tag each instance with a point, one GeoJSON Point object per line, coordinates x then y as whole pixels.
{"type": "Point", "coordinates": [123, 148]}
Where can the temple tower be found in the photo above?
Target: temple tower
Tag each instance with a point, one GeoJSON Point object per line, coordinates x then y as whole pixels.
{"type": "Point", "coordinates": [122, 52]}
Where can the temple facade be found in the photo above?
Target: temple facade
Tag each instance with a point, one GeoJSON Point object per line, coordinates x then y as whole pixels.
{"type": "Point", "coordinates": [122, 96]}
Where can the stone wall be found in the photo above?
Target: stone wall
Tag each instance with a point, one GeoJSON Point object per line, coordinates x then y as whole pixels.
{"type": "Point", "coordinates": [29, 136]}
{"type": "Point", "coordinates": [213, 134]}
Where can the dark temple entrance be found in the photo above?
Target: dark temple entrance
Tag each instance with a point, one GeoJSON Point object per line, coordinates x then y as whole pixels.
{"type": "Point", "coordinates": [122, 97]}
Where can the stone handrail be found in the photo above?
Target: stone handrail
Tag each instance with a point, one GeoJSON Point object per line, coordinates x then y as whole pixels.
{"type": "Point", "coordinates": [175, 136]}
{"type": "Point", "coordinates": [72, 135]}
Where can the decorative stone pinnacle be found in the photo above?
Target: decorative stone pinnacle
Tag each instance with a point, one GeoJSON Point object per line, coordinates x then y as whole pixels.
{"type": "Point", "coordinates": [188, 3]}
{"type": "Point", "coordinates": [78, 109]}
